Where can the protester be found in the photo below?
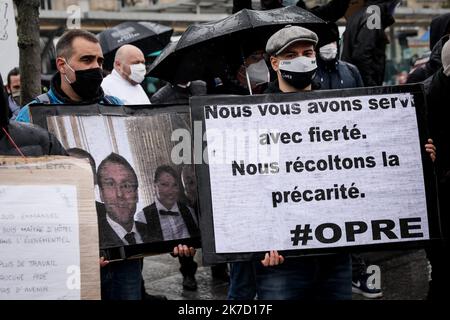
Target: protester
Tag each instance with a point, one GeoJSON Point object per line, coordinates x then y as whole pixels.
{"type": "Point", "coordinates": [292, 57]}
{"type": "Point", "coordinates": [439, 34]}
{"type": "Point", "coordinates": [438, 94]}
{"type": "Point", "coordinates": [365, 44]}
{"type": "Point", "coordinates": [179, 93]}
{"type": "Point", "coordinates": [333, 73]}
{"type": "Point", "coordinates": [13, 89]}
{"type": "Point", "coordinates": [128, 73]}
{"type": "Point", "coordinates": [20, 139]}
{"type": "Point", "coordinates": [79, 63]}
{"type": "Point", "coordinates": [250, 76]}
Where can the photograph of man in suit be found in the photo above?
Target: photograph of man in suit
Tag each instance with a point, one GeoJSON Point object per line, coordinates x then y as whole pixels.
{"type": "Point", "coordinates": [118, 186]}
{"type": "Point", "coordinates": [167, 218]}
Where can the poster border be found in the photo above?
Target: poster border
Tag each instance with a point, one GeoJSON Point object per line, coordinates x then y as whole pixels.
{"type": "Point", "coordinates": [39, 114]}
{"type": "Point", "coordinates": [210, 256]}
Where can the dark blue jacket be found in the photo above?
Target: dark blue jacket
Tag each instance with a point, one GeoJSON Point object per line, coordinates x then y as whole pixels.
{"type": "Point", "coordinates": [337, 75]}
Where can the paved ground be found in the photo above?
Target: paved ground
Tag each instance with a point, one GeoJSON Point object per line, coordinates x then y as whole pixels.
{"type": "Point", "coordinates": [404, 276]}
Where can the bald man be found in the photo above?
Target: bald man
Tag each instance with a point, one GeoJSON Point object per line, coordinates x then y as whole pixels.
{"type": "Point", "coordinates": [129, 71]}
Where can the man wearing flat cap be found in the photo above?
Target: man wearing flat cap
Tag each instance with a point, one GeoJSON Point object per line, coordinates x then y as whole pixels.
{"type": "Point", "coordinates": [293, 58]}
{"type": "Point", "coordinates": [319, 277]}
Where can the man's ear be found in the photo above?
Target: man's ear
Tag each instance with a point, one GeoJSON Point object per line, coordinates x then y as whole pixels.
{"type": "Point", "coordinates": [274, 63]}
{"type": "Point", "coordinates": [100, 191]}
{"type": "Point", "coordinates": [60, 62]}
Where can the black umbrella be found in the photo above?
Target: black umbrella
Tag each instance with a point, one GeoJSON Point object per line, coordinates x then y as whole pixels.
{"type": "Point", "coordinates": [147, 36]}
{"type": "Point", "coordinates": [209, 49]}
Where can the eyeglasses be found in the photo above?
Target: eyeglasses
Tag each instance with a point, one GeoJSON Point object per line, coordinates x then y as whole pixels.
{"type": "Point", "coordinates": [126, 187]}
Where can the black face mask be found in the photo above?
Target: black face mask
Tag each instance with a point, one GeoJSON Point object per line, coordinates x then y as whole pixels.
{"type": "Point", "coordinates": [299, 80]}
{"type": "Point", "coordinates": [87, 83]}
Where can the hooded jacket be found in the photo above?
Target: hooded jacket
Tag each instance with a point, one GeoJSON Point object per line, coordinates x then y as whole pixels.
{"type": "Point", "coordinates": [56, 96]}
{"type": "Point", "coordinates": [31, 140]}
{"type": "Point", "coordinates": [337, 75]}
{"type": "Point", "coordinates": [434, 64]}
{"type": "Point", "coordinates": [177, 95]}
{"type": "Point", "coordinates": [437, 90]}
{"type": "Point", "coordinates": [439, 27]}
{"type": "Point", "coordinates": [364, 47]}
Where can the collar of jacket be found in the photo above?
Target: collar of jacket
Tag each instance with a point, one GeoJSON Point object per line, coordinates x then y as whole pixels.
{"type": "Point", "coordinates": [55, 88]}
{"type": "Point", "coordinates": [331, 65]}
{"type": "Point", "coordinates": [273, 87]}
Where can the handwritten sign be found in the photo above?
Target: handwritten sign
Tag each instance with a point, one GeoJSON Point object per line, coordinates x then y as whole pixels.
{"type": "Point", "coordinates": [40, 243]}
{"type": "Point", "coordinates": [41, 225]}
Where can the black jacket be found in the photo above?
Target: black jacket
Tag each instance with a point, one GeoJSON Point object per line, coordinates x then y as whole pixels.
{"type": "Point", "coordinates": [337, 75]}
{"type": "Point", "coordinates": [108, 237]}
{"type": "Point", "coordinates": [178, 95]}
{"type": "Point", "coordinates": [437, 91]}
{"type": "Point", "coordinates": [32, 140]}
{"type": "Point", "coordinates": [434, 64]}
{"type": "Point", "coordinates": [439, 27]}
{"type": "Point", "coordinates": [364, 47]}
{"type": "Point", "coordinates": [154, 230]}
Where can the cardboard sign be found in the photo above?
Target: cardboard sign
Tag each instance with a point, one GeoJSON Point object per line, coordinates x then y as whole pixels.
{"type": "Point", "coordinates": [313, 171]}
{"type": "Point", "coordinates": [48, 230]}
{"type": "Point", "coordinates": [128, 148]}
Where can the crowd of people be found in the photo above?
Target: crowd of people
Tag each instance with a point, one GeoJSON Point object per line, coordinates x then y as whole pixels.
{"type": "Point", "coordinates": [292, 60]}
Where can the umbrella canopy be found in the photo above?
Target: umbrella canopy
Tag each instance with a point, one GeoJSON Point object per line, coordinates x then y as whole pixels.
{"type": "Point", "coordinates": [147, 36]}
{"type": "Point", "coordinates": [209, 49]}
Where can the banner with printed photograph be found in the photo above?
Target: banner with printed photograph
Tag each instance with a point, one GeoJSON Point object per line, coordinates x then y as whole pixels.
{"type": "Point", "coordinates": [143, 199]}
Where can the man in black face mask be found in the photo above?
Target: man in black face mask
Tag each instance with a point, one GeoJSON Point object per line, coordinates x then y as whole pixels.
{"type": "Point", "coordinates": [79, 63]}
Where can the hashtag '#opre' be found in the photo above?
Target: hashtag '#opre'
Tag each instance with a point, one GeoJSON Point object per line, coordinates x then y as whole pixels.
{"type": "Point", "coordinates": [300, 234]}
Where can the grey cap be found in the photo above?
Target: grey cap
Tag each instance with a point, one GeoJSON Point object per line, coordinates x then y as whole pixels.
{"type": "Point", "coordinates": [283, 38]}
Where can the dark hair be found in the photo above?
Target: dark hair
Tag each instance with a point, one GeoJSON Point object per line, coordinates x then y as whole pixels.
{"type": "Point", "coordinates": [116, 159]}
{"type": "Point", "coordinates": [165, 169]}
{"type": "Point", "coordinates": [332, 35]}
{"type": "Point", "coordinates": [4, 108]}
{"type": "Point", "coordinates": [13, 72]}
{"type": "Point", "coordinates": [64, 46]}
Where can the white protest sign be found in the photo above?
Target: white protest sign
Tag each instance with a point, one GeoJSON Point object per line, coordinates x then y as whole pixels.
{"type": "Point", "coordinates": [339, 172]}
{"type": "Point", "coordinates": [48, 230]}
{"type": "Point", "coordinates": [40, 242]}
{"type": "Point", "coordinates": [9, 51]}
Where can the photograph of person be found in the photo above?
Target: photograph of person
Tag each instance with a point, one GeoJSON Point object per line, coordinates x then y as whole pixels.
{"type": "Point", "coordinates": [167, 218]}
{"type": "Point", "coordinates": [118, 185]}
